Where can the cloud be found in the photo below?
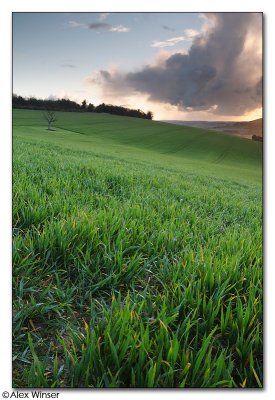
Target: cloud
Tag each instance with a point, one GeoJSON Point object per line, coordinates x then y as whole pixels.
{"type": "Point", "coordinates": [190, 34]}
{"type": "Point", "coordinates": [167, 28]}
{"type": "Point", "coordinates": [68, 65]}
{"type": "Point", "coordinates": [74, 24]}
{"type": "Point", "coordinates": [168, 42]}
{"type": "Point", "coordinates": [111, 82]}
{"type": "Point", "coordinates": [221, 72]}
{"type": "Point", "coordinates": [103, 26]}
{"type": "Point", "coordinates": [97, 26]}
{"type": "Point", "coordinates": [103, 16]}
{"type": "Point", "coordinates": [119, 28]}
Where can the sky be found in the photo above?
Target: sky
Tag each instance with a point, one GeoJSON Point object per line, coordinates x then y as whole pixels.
{"type": "Point", "coordinates": [184, 66]}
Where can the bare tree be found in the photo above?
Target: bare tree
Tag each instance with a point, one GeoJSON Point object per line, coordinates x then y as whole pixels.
{"type": "Point", "coordinates": [50, 118]}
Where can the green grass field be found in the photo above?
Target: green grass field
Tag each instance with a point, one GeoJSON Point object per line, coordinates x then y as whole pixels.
{"type": "Point", "coordinates": [137, 258]}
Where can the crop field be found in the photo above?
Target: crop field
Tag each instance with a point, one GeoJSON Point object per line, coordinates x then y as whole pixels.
{"type": "Point", "coordinates": [137, 254]}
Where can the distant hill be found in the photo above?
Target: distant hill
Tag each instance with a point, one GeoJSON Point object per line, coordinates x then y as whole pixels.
{"type": "Point", "coordinates": [245, 129]}
{"type": "Point", "coordinates": [255, 126]}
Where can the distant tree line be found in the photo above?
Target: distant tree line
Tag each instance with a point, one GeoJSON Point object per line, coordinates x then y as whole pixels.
{"type": "Point", "coordinates": [258, 138]}
{"type": "Point", "coordinates": [69, 105]}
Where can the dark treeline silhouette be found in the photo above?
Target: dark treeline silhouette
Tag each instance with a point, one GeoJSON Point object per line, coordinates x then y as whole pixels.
{"type": "Point", "coordinates": [119, 110]}
{"type": "Point", "coordinates": [39, 104]}
{"type": "Point", "coordinates": [258, 138]}
{"type": "Point", "coordinates": [68, 105]}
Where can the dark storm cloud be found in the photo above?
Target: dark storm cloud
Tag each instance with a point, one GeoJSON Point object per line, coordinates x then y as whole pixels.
{"type": "Point", "coordinates": [221, 72]}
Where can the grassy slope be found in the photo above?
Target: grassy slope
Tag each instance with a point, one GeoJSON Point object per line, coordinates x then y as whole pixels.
{"type": "Point", "coordinates": [137, 254]}
{"type": "Point", "coordinates": [162, 143]}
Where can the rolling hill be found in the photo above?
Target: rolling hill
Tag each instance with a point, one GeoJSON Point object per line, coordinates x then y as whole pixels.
{"type": "Point", "coordinates": [245, 129]}
{"type": "Point", "coordinates": [148, 139]}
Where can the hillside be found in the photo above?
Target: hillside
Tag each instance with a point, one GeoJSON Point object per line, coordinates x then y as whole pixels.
{"type": "Point", "coordinates": [161, 141]}
{"type": "Point", "coordinates": [255, 127]}
{"type": "Point", "coordinates": [245, 129]}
